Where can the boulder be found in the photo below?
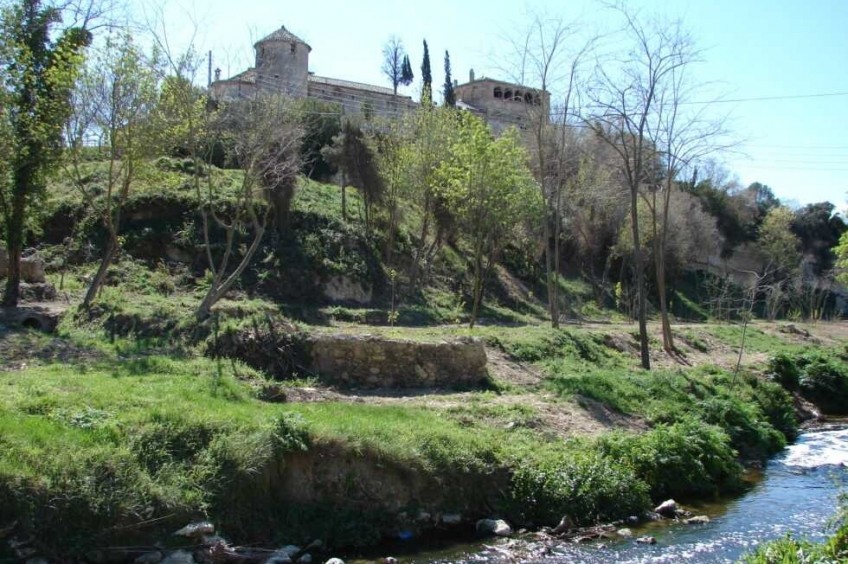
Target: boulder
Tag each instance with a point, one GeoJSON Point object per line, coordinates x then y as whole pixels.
{"type": "Point", "coordinates": [179, 557]}
{"type": "Point", "coordinates": [668, 508]}
{"type": "Point", "coordinates": [697, 520]}
{"type": "Point", "coordinates": [451, 519]}
{"type": "Point", "coordinates": [149, 558]}
{"type": "Point", "coordinates": [196, 530]}
{"type": "Point", "coordinates": [497, 527]}
{"type": "Point", "coordinates": [32, 268]}
{"type": "Point", "coordinates": [626, 533]}
{"type": "Point", "coordinates": [334, 561]}
{"type": "Point", "coordinates": [646, 540]}
{"type": "Point", "coordinates": [565, 524]}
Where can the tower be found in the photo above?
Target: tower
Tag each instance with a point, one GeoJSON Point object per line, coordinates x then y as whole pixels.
{"type": "Point", "coordinates": [282, 63]}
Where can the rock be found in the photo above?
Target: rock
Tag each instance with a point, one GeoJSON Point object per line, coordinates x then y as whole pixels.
{"type": "Point", "coordinates": [32, 270]}
{"type": "Point", "coordinates": [196, 529]}
{"type": "Point", "coordinates": [423, 516]}
{"type": "Point", "coordinates": [451, 519]}
{"type": "Point", "coordinates": [497, 527]}
{"type": "Point", "coordinates": [305, 559]}
{"type": "Point", "coordinates": [334, 561]}
{"type": "Point", "coordinates": [284, 555]}
{"type": "Point", "coordinates": [646, 540]}
{"type": "Point", "coordinates": [149, 558]}
{"type": "Point", "coordinates": [389, 560]}
{"type": "Point", "coordinates": [633, 520]}
{"type": "Point", "coordinates": [668, 508]}
{"type": "Point", "coordinates": [697, 520]}
{"type": "Point", "coordinates": [179, 557]}
{"type": "Point", "coordinates": [626, 533]}
{"type": "Point", "coordinates": [565, 524]}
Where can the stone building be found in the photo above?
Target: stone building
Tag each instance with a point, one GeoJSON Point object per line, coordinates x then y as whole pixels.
{"type": "Point", "coordinates": [282, 65]}
{"type": "Point", "coordinates": [502, 104]}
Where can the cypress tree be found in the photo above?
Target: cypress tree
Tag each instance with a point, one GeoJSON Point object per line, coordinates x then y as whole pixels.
{"type": "Point", "coordinates": [449, 94]}
{"type": "Point", "coordinates": [426, 76]}
{"type": "Point", "coordinates": [406, 75]}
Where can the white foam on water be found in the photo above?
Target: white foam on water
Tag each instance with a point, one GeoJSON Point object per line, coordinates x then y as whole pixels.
{"type": "Point", "coordinates": [825, 448]}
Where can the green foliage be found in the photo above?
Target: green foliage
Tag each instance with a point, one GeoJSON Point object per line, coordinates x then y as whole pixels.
{"type": "Point", "coordinates": [758, 420]}
{"type": "Point", "coordinates": [684, 459]}
{"type": "Point", "coordinates": [321, 123]}
{"type": "Point", "coordinates": [820, 377]}
{"type": "Point", "coordinates": [841, 251]}
{"type": "Point", "coordinates": [585, 485]}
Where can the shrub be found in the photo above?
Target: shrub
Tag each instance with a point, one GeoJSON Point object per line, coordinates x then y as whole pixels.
{"type": "Point", "coordinates": [685, 459]}
{"type": "Point", "coordinates": [821, 378]}
{"type": "Point", "coordinates": [583, 484]}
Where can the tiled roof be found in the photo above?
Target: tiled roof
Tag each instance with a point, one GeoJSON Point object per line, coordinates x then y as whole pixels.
{"type": "Point", "coordinates": [283, 34]}
{"type": "Point", "coordinates": [350, 84]}
{"type": "Point", "coordinates": [245, 76]}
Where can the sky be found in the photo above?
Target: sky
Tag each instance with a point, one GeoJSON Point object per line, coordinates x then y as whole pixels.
{"type": "Point", "coordinates": [791, 51]}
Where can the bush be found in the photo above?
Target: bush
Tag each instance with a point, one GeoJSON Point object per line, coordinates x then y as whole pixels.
{"type": "Point", "coordinates": [820, 378]}
{"type": "Point", "coordinates": [685, 459]}
{"type": "Point", "coordinates": [584, 485]}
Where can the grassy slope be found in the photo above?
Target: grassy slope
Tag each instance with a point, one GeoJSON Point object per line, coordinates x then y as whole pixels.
{"type": "Point", "coordinates": [144, 429]}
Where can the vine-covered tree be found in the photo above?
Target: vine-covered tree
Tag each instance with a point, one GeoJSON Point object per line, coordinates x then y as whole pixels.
{"type": "Point", "coordinates": [38, 69]}
{"type": "Point", "coordinates": [447, 91]}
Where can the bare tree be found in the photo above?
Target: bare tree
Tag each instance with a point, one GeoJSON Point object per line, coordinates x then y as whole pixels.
{"type": "Point", "coordinates": [545, 62]}
{"type": "Point", "coordinates": [625, 101]}
{"type": "Point", "coordinates": [393, 61]}
{"type": "Point", "coordinates": [266, 136]}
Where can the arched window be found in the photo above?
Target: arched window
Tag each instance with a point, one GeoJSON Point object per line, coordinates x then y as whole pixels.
{"type": "Point", "coordinates": [528, 98]}
{"type": "Point", "coordinates": [519, 97]}
{"type": "Point", "coordinates": [498, 92]}
{"type": "Point", "coordinates": [537, 101]}
{"type": "Point", "coordinates": [293, 47]}
{"type": "Point", "coordinates": [507, 94]}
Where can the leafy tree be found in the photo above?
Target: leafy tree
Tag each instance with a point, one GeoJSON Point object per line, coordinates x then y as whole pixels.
{"type": "Point", "coordinates": [393, 62]}
{"type": "Point", "coordinates": [841, 252]}
{"type": "Point", "coordinates": [819, 230]}
{"type": "Point", "coordinates": [115, 99]}
{"type": "Point", "coordinates": [353, 154]}
{"type": "Point", "coordinates": [321, 123]}
{"type": "Point", "coordinates": [491, 191]}
{"type": "Point", "coordinates": [447, 92]}
{"type": "Point", "coordinates": [406, 76]}
{"type": "Point", "coordinates": [38, 73]}
{"type": "Point", "coordinates": [426, 77]}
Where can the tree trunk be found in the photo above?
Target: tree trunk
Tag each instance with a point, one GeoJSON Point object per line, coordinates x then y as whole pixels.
{"type": "Point", "coordinates": [100, 276]}
{"type": "Point", "coordinates": [15, 236]}
{"type": "Point", "coordinates": [639, 279]}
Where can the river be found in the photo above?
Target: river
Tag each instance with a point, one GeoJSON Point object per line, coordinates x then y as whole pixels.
{"type": "Point", "coordinates": [796, 492]}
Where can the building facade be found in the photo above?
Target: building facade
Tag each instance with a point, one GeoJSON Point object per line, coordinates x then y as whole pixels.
{"type": "Point", "coordinates": [503, 104]}
{"type": "Point", "coordinates": [282, 66]}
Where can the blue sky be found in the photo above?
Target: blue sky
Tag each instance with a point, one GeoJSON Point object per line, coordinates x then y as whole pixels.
{"type": "Point", "coordinates": [752, 49]}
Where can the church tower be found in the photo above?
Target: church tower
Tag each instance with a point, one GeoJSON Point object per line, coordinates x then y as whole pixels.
{"type": "Point", "coordinates": [282, 63]}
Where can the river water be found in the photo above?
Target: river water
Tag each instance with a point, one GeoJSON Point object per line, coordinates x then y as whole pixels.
{"type": "Point", "coordinates": [796, 492]}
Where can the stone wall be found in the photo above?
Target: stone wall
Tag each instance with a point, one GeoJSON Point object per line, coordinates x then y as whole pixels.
{"type": "Point", "coordinates": [375, 362]}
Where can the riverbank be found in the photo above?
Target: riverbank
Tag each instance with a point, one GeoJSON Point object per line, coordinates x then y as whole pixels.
{"type": "Point", "coordinates": [133, 440]}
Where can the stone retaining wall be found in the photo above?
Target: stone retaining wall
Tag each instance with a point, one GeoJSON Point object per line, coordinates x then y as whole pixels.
{"type": "Point", "coordinates": [376, 362]}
